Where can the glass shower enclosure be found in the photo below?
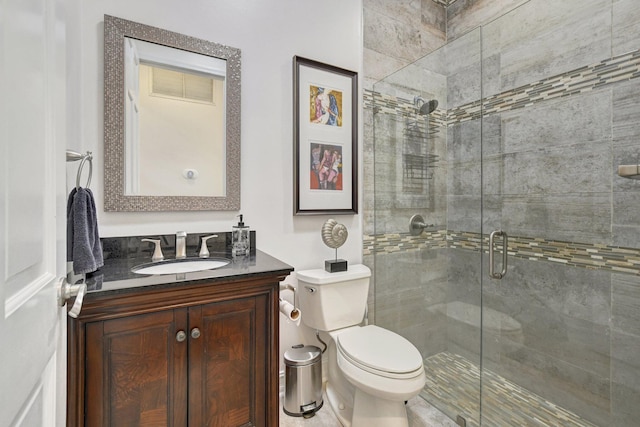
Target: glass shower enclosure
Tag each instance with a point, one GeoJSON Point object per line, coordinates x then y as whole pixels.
{"type": "Point", "coordinates": [519, 280]}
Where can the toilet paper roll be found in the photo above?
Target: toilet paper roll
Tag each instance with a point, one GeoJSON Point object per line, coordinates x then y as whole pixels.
{"type": "Point", "coordinates": [292, 313]}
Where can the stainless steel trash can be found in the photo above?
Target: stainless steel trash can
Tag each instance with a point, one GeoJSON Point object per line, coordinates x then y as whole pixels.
{"type": "Point", "coordinates": [303, 381]}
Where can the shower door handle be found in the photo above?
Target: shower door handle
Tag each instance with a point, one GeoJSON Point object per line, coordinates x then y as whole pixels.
{"type": "Point", "coordinates": [505, 243]}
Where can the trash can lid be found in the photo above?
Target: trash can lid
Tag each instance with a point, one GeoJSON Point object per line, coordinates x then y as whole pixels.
{"type": "Point", "coordinates": [300, 355]}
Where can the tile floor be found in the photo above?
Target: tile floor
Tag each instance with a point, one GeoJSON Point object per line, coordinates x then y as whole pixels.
{"type": "Point", "coordinates": [453, 383]}
{"type": "Point", "coordinates": [456, 391]}
{"type": "Point", "coordinates": [420, 414]}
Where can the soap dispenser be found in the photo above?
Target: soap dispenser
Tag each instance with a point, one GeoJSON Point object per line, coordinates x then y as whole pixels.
{"type": "Point", "coordinates": [240, 244]}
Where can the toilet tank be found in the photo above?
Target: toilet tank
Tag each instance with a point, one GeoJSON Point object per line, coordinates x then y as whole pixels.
{"type": "Point", "coordinates": [330, 301]}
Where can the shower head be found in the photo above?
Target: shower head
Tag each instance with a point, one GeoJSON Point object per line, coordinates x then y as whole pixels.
{"type": "Point", "coordinates": [425, 107]}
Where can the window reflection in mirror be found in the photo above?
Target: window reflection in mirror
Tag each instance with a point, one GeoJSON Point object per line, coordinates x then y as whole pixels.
{"type": "Point", "coordinates": [175, 121]}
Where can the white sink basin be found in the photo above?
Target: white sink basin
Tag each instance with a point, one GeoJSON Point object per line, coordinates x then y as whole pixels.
{"type": "Point", "coordinates": [175, 266]}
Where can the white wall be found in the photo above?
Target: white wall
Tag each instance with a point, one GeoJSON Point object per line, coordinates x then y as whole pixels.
{"type": "Point", "coordinates": [269, 33]}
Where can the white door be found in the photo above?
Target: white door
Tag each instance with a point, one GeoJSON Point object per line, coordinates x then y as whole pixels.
{"type": "Point", "coordinates": [32, 212]}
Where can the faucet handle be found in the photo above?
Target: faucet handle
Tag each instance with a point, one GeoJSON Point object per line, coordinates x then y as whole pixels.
{"type": "Point", "coordinates": [204, 250]}
{"type": "Point", "coordinates": [157, 253]}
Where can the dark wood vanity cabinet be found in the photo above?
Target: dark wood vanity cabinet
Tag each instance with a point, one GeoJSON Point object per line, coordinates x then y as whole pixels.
{"type": "Point", "coordinates": [135, 371]}
{"type": "Point", "coordinates": [191, 355]}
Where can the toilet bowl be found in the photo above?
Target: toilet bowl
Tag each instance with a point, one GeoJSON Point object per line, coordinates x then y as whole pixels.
{"type": "Point", "coordinates": [380, 362]}
{"type": "Point", "coordinates": [371, 371]}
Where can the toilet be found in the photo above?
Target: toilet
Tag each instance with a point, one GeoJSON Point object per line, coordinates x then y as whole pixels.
{"type": "Point", "coordinates": [371, 371]}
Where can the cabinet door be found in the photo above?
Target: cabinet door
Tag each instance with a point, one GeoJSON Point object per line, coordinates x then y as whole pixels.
{"type": "Point", "coordinates": [228, 363]}
{"type": "Point", "coordinates": [137, 371]}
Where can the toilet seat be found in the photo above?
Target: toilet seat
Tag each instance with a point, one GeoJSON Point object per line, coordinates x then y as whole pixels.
{"type": "Point", "coordinates": [380, 352]}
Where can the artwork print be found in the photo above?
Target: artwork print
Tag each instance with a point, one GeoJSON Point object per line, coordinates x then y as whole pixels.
{"type": "Point", "coordinates": [325, 106]}
{"type": "Point", "coordinates": [325, 141]}
{"type": "Point", "coordinates": [326, 167]}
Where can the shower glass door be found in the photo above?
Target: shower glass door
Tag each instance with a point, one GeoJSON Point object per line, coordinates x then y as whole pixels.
{"type": "Point", "coordinates": [535, 112]}
{"type": "Point", "coordinates": [560, 330]}
{"type": "Point", "coordinates": [427, 166]}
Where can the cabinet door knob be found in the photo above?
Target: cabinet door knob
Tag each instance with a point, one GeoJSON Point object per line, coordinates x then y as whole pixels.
{"type": "Point", "coordinates": [195, 333]}
{"type": "Point", "coordinates": [181, 336]}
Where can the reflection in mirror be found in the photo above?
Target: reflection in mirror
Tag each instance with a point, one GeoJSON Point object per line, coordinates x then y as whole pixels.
{"type": "Point", "coordinates": [172, 121]}
{"type": "Point", "coordinates": [174, 112]}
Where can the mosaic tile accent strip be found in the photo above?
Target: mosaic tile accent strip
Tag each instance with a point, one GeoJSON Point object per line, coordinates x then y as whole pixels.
{"type": "Point", "coordinates": [584, 79]}
{"type": "Point", "coordinates": [453, 384]}
{"type": "Point", "coordinates": [402, 108]}
{"type": "Point", "coordinates": [584, 255]}
{"type": "Point", "coordinates": [390, 243]}
{"type": "Point", "coordinates": [593, 256]}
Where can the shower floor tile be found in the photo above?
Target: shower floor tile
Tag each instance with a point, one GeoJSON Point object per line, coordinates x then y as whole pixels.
{"type": "Point", "coordinates": [453, 385]}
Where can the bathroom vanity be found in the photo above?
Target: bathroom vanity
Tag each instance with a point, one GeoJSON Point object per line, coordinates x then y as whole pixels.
{"type": "Point", "coordinates": [189, 349]}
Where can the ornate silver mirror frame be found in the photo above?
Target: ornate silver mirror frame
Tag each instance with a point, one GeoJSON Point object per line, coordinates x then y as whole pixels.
{"type": "Point", "coordinates": [115, 197]}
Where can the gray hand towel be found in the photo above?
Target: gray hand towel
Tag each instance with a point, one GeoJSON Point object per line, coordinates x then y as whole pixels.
{"type": "Point", "coordinates": [83, 241]}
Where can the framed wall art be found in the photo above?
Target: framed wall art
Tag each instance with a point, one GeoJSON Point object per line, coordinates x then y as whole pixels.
{"type": "Point", "coordinates": [325, 145]}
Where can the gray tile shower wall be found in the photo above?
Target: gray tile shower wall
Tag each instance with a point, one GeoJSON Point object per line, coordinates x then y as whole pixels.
{"type": "Point", "coordinates": [564, 316]}
{"type": "Point", "coordinates": [626, 150]}
{"type": "Point", "coordinates": [397, 28]}
{"type": "Point", "coordinates": [547, 169]}
{"type": "Point", "coordinates": [397, 33]}
{"type": "Point", "coordinates": [542, 39]}
{"type": "Point", "coordinates": [563, 313]}
{"type": "Point", "coordinates": [410, 304]}
{"type": "Point", "coordinates": [463, 16]}
{"type": "Point", "coordinates": [625, 26]}
{"type": "Point", "coordinates": [392, 204]}
{"type": "Point", "coordinates": [625, 342]}
{"type": "Point", "coordinates": [554, 170]}
{"type": "Point", "coordinates": [559, 113]}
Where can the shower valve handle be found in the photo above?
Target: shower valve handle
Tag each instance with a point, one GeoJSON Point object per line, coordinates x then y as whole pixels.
{"type": "Point", "coordinates": [417, 225]}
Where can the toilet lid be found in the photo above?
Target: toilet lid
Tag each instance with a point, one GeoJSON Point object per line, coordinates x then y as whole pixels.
{"type": "Point", "coordinates": [379, 349]}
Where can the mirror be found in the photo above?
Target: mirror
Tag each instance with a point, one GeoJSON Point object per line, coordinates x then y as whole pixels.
{"type": "Point", "coordinates": [172, 121]}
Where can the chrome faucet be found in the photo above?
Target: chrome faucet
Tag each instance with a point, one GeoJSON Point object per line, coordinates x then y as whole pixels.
{"type": "Point", "coordinates": [181, 244]}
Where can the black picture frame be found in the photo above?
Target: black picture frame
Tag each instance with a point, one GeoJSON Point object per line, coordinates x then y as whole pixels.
{"type": "Point", "coordinates": [325, 142]}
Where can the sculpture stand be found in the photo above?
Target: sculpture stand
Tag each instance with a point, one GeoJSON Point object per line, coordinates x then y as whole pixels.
{"type": "Point", "coordinates": [335, 265]}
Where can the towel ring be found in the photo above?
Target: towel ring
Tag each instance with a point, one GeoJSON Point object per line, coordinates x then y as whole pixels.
{"type": "Point", "coordinates": [86, 157]}
{"type": "Point", "coordinates": [73, 156]}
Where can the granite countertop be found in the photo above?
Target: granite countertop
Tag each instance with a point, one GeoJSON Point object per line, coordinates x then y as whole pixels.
{"type": "Point", "coordinates": [116, 275]}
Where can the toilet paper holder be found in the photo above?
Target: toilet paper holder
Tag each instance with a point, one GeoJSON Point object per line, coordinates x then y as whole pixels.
{"type": "Point", "coordinates": [289, 287]}
{"type": "Point", "coordinates": [292, 312]}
